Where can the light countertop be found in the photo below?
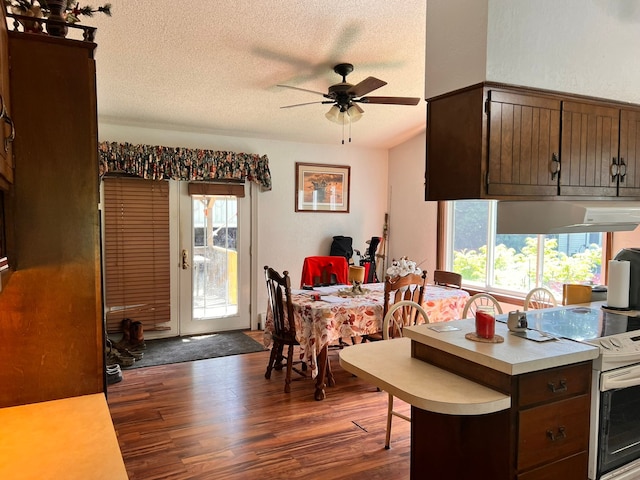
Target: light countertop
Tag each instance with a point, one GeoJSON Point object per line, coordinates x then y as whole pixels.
{"type": "Point", "coordinates": [70, 439]}
{"type": "Point", "coordinates": [388, 365]}
{"type": "Point", "coordinates": [514, 356]}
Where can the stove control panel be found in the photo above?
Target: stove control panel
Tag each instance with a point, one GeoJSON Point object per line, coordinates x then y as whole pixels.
{"type": "Point", "coordinates": [617, 351]}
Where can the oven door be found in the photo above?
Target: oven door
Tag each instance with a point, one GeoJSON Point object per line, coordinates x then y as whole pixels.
{"type": "Point", "coordinates": [619, 421]}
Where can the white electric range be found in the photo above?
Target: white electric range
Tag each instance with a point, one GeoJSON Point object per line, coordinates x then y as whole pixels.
{"type": "Point", "coordinates": [614, 446]}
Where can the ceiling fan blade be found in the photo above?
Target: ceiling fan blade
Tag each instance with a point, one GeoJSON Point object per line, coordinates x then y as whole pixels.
{"type": "Point", "coordinates": [367, 85]}
{"type": "Point", "coordinates": [308, 103]}
{"type": "Point", "coordinates": [391, 100]}
{"type": "Point", "coordinates": [303, 90]}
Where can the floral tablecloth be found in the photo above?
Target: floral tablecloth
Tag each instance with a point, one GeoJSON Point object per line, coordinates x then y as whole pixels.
{"type": "Point", "coordinates": [320, 323]}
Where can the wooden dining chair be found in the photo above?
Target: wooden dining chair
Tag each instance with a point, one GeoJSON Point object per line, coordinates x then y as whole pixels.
{"type": "Point", "coordinates": [408, 287]}
{"type": "Point", "coordinates": [393, 324]}
{"type": "Point", "coordinates": [447, 279]}
{"type": "Point", "coordinates": [539, 298]}
{"type": "Point", "coordinates": [477, 300]}
{"type": "Point", "coordinates": [284, 328]}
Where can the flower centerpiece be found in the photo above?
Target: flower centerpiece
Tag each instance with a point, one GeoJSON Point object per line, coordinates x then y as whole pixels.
{"type": "Point", "coordinates": [63, 11]}
{"type": "Point", "coordinates": [403, 267]}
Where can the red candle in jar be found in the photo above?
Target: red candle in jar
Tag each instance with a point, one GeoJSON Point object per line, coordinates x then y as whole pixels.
{"type": "Point", "coordinates": [485, 322]}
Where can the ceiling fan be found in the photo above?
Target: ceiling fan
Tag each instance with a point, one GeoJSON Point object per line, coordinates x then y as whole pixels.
{"type": "Point", "coordinates": [345, 97]}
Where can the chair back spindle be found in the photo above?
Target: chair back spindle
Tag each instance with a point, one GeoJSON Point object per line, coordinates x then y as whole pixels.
{"type": "Point", "coordinates": [279, 295]}
{"type": "Point", "coordinates": [408, 288]}
{"type": "Point", "coordinates": [478, 300]}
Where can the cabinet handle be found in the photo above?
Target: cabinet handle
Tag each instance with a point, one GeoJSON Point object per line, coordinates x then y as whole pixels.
{"type": "Point", "coordinates": [555, 166]}
{"type": "Point", "coordinates": [8, 140]}
{"type": "Point", "coordinates": [3, 109]}
{"type": "Point", "coordinates": [561, 387]}
{"type": "Point", "coordinates": [613, 169]}
{"type": "Point", "coordinates": [562, 433]}
{"type": "Point", "coordinates": [622, 169]}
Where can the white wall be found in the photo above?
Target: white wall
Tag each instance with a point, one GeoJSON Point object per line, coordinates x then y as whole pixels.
{"type": "Point", "coordinates": [412, 221]}
{"type": "Point", "coordinates": [285, 237]}
{"type": "Point", "coordinates": [587, 47]}
{"type": "Point", "coordinates": [456, 45]}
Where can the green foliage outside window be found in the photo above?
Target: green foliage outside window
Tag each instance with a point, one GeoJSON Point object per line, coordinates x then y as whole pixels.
{"type": "Point", "coordinates": [517, 269]}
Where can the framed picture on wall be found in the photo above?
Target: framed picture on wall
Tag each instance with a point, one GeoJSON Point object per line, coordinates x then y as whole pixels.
{"type": "Point", "coordinates": [322, 188]}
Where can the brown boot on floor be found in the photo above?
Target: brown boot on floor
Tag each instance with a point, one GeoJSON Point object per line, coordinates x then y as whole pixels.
{"type": "Point", "coordinates": [136, 334]}
{"type": "Point", "coordinates": [125, 341]}
{"type": "Point", "coordinates": [126, 330]}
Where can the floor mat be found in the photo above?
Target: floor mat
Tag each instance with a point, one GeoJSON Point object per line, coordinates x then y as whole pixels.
{"type": "Point", "coordinates": [196, 347]}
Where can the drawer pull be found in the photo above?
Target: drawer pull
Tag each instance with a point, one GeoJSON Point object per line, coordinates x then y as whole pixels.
{"type": "Point", "coordinates": [561, 387]}
{"type": "Point", "coordinates": [557, 436]}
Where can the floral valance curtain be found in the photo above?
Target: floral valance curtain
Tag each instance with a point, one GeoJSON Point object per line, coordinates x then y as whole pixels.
{"type": "Point", "coordinates": [156, 163]}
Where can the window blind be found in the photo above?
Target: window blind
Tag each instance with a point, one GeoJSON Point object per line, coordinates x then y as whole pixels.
{"type": "Point", "coordinates": [229, 188]}
{"type": "Point", "coordinates": [136, 252]}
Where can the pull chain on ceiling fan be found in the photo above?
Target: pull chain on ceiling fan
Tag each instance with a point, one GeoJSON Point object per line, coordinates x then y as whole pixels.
{"type": "Point", "coordinates": [345, 97]}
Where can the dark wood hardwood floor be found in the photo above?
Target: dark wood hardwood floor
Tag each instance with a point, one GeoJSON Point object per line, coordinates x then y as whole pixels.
{"type": "Point", "coordinates": [221, 419]}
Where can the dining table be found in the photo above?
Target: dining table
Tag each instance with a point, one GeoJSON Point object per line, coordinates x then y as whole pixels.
{"type": "Point", "coordinates": [325, 315]}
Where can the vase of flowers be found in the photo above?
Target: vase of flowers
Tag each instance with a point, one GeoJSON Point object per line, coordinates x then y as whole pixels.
{"type": "Point", "coordinates": [59, 12]}
{"type": "Point", "coordinates": [403, 267]}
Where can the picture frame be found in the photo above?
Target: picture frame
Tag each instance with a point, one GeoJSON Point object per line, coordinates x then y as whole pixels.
{"type": "Point", "coordinates": [322, 188]}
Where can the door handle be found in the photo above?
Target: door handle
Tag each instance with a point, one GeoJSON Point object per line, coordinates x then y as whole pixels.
{"type": "Point", "coordinates": [555, 166]}
{"type": "Point", "coordinates": [614, 169]}
{"type": "Point", "coordinates": [185, 259]}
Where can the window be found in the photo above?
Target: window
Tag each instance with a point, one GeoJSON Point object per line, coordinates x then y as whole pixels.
{"type": "Point", "coordinates": [516, 263]}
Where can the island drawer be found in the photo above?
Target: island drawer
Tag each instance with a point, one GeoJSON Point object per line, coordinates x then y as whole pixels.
{"type": "Point", "coordinates": [553, 431]}
{"type": "Point", "coordinates": [573, 467]}
{"type": "Point", "coordinates": [554, 384]}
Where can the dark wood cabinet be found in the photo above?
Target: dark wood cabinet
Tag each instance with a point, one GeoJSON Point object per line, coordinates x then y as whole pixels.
{"type": "Point", "coordinates": [543, 436]}
{"type": "Point", "coordinates": [505, 142]}
{"type": "Point", "coordinates": [629, 159]}
{"type": "Point", "coordinates": [524, 144]}
{"type": "Point", "coordinates": [589, 149]}
{"type": "Point", "coordinates": [553, 420]}
{"type": "Point", "coordinates": [51, 322]}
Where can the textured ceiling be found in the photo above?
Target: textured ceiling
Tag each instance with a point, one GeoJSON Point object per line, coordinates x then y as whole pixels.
{"type": "Point", "coordinates": [213, 66]}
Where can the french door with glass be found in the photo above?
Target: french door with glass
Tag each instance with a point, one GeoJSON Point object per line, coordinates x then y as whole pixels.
{"type": "Point", "coordinates": [214, 261]}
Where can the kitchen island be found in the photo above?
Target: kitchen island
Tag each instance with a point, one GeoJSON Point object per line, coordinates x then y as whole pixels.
{"type": "Point", "coordinates": [512, 410]}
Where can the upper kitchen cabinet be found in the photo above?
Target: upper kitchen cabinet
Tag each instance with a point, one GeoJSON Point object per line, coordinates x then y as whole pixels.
{"type": "Point", "coordinates": [505, 142]}
{"type": "Point", "coordinates": [589, 149]}
{"type": "Point", "coordinates": [628, 169]}
{"type": "Point", "coordinates": [524, 144]}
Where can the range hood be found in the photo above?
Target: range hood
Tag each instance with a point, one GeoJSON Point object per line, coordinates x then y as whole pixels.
{"type": "Point", "coordinates": [566, 216]}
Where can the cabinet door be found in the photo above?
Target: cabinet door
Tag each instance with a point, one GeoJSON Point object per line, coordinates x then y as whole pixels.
{"type": "Point", "coordinates": [524, 139]}
{"type": "Point", "coordinates": [589, 147]}
{"type": "Point", "coordinates": [629, 168]}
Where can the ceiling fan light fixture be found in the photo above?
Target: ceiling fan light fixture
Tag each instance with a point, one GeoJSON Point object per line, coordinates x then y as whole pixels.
{"type": "Point", "coordinates": [355, 112]}
{"type": "Point", "coordinates": [334, 114]}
